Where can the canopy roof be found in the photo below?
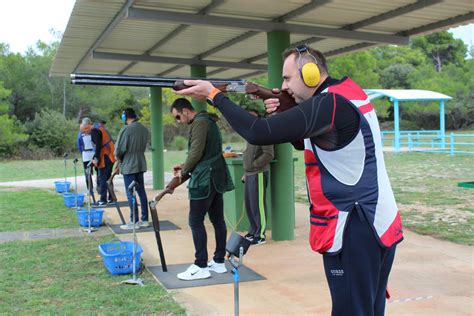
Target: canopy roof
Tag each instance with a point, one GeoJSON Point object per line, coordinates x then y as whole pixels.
{"type": "Point", "coordinates": [161, 37]}
{"type": "Point", "coordinates": [406, 95]}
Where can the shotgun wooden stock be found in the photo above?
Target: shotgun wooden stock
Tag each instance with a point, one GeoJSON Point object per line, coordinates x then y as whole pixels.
{"type": "Point", "coordinates": [169, 189]}
{"type": "Point", "coordinates": [286, 100]}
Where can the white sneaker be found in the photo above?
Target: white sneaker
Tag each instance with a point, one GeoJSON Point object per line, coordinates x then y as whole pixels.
{"type": "Point", "coordinates": [144, 224]}
{"type": "Point", "coordinates": [216, 267]}
{"type": "Point", "coordinates": [129, 226]}
{"type": "Point", "coordinates": [194, 273]}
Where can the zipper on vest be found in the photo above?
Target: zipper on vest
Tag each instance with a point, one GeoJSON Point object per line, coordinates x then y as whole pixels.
{"type": "Point", "coordinates": [359, 212]}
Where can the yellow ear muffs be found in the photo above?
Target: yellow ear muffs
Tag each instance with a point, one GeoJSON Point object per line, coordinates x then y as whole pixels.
{"type": "Point", "coordinates": [310, 74]}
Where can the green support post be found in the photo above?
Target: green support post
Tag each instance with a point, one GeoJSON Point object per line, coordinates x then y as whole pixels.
{"type": "Point", "coordinates": [282, 183]}
{"type": "Point", "coordinates": [200, 72]}
{"type": "Point", "coordinates": [157, 158]}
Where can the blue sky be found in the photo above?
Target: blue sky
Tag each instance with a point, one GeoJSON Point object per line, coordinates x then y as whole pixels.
{"type": "Point", "coordinates": [24, 22]}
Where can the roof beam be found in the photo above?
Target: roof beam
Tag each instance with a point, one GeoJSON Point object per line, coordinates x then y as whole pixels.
{"type": "Point", "coordinates": [176, 60]}
{"type": "Point", "coordinates": [262, 26]}
{"type": "Point", "coordinates": [110, 27]}
{"type": "Point", "coordinates": [468, 17]}
{"type": "Point", "coordinates": [175, 32]}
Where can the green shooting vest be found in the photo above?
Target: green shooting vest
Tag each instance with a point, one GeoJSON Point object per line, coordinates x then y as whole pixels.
{"type": "Point", "coordinates": [211, 169]}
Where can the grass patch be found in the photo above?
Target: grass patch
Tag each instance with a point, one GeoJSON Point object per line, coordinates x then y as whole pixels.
{"type": "Point", "coordinates": [30, 209]}
{"type": "Point", "coordinates": [67, 276]}
{"type": "Point", "coordinates": [18, 170]}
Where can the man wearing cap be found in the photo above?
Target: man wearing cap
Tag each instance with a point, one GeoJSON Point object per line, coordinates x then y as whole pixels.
{"type": "Point", "coordinates": [130, 152]}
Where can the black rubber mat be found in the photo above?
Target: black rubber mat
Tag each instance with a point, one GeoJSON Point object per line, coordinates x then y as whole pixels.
{"type": "Point", "coordinates": [170, 281]}
{"type": "Point", "coordinates": [164, 225]}
{"type": "Point", "coordinates": [120, 204]}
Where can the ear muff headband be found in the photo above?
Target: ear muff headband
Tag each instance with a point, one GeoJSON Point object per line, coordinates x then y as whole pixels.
{"type": "Point", "coordinates": [309, 71]}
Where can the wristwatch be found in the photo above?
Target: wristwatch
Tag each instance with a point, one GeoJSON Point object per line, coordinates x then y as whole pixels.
{"type": "Point", "coordinates": [211, 95]}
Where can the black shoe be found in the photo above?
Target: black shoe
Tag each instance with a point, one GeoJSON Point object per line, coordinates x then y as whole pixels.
{"type": "Point", "coordinates": [110, 202]}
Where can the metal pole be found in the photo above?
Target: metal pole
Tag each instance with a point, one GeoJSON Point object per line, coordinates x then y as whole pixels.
{"type": "Point", "coordinates": [157, 143]}
{"type": "Point", "coordinates": [64, 97]}
{"type": "Point", "coordinates": [200, 72]}
{"type": "Point", "coordinates": [282, 181]}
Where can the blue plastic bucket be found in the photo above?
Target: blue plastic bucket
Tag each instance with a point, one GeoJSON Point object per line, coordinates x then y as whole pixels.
{"type": "Point", "coordinates": [70, 199]}
{"type": "Point", "coordinates": [95, 217]}
{"type": "Point", "coordinates": [118, 256]}
{"type": "Point", "coordinates": [62, 186]}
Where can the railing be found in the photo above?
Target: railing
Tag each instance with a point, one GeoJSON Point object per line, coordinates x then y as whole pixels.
{"type": "Point", "coordinates": [431, 141]}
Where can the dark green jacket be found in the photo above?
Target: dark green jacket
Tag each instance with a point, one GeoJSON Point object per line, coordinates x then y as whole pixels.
{"type": "Point", "coordinates": [205, 162]}
{"type": "Point", "coordinates": [257, 158]}
{"type": "Point", "coordinates": [130, 148]}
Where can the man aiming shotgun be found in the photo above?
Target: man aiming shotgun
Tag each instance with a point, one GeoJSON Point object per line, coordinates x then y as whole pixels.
{"type": "Point", "coordinates": [354, 220]}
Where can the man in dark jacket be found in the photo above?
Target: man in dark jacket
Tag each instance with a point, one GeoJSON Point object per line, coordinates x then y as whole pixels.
{"type": "Point", "coordinates": [256, 161]}
{"type": "Point", "coordinates": [209, 180]}
{"type": "Point", "coordinates": [130, 152]}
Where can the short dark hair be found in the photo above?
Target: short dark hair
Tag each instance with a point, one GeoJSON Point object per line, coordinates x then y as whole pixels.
{"type": "Point", "coordinates": [180, 104]}
{"type": "Point", "coordinates": [130, 113]}
{"type": "Point", "coordinates": [318, 55]}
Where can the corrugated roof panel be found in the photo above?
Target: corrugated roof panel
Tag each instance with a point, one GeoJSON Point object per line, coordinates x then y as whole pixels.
{"type": "Point", "coordinates": [196, 40]}
{"type": "Point", "coordinates": [136, 37]}
{"type": "Point", "coordinates": [253, 46]}
{"type": "Point", "coordinates": [102, 66]}
{"type": "Point", "coordinates": [339, 13]}
{"type": "Point", "coordinates": [258, 8]}
{"type": "Point", "coordinates": [87, 22]}
{"type": "Point", "coordinates": [150, 69]}
{"type": "Point", "coordinates": [188, 5]}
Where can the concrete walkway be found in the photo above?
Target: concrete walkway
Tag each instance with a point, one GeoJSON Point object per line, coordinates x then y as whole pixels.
{"type": "Point", "coordinates": [49, 234]}
{"type": "Point", "coordinates": [429, 276]}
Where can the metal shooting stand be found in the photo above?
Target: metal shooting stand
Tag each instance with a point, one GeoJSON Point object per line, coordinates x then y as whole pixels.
{"type": "Point", "coordinates": [237, 247]}
{"type": "Point", "coordinates": [89, 181]}
{"type": "Point", "coordinates": [65, 170]}
{"type": "Point", "coordinates": [134, 280]}
{"type": "Point", "coordinates": [89, 229]}
{"type": "Point", "coordinates": [75, 181]}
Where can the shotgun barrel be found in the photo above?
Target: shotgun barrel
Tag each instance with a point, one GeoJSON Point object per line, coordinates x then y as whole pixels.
{"type": "Point", "coordinates": [224, 85]}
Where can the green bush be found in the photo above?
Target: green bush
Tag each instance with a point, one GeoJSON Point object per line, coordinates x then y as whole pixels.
{"type": "Point", "coordinates": [11, 135]}
{"type": "Point", "coordinates": [51, 130]}
{"type": "Point", "coordinates": [179, 143]}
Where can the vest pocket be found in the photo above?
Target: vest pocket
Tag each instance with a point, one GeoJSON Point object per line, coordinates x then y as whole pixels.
{"type": "Point", "coordinates": [322, 231]}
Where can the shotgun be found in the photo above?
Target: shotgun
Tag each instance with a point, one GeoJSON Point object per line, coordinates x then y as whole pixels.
{"type": "Point", "coordinates": [232, 85]}
{"type": "Point", "coordinates": [169, 189]}
{"type": "Point", "coordinates": [110, 188]}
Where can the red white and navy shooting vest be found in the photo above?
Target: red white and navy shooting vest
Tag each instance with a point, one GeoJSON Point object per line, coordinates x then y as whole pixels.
{"type": "Point", "coordinates": [353, 178]}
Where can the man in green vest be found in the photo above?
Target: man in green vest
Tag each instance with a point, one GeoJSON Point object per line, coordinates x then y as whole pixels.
{"type": "Point", "coordinates": [209, 180]}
